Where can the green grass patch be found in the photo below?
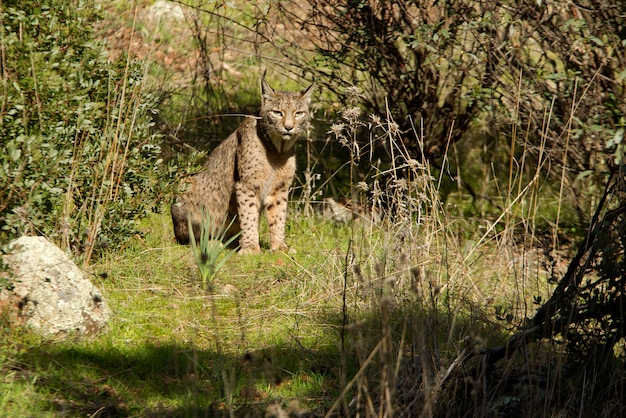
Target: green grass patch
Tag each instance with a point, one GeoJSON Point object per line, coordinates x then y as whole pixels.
{"type": "Point", "coordinates": [277, 328]}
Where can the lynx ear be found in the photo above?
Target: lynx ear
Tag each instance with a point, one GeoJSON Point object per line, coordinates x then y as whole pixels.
{"type": "Point", "coordinates": [266, 90]}
{"type": "Point", "coordinates": [306, 93]}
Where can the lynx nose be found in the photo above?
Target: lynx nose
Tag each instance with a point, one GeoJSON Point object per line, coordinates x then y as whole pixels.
{"type": "Point", "coordinates": [288, 123]}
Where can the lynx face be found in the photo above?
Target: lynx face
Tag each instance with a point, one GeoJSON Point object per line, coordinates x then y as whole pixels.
{"type": "Point", "coordinates": [284, 115]}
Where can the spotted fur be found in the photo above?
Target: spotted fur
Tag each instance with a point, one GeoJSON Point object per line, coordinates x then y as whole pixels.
{"type": "Point", "coordinates": [250, 171]}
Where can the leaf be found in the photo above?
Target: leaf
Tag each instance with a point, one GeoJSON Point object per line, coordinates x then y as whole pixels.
{"type": "Point", "coordinates": [597, 41]}
{"type": "Point", "coordinates": [16, 154]}
{"type": "Point", "coordinates": [584, 174]}
{"type": "Point", "coordinates": [556, 76]}
{"type": "Point", "coordinates": [616, 140]}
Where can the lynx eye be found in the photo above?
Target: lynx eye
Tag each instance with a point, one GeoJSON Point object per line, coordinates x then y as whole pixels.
{"type": "Point", "coordinates": [300, 114]}
{"type": "Point", "coordinates": [276, 113]}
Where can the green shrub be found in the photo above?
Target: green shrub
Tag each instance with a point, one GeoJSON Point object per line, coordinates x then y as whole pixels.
{"type": "Point", "coordinates": [79, 162]}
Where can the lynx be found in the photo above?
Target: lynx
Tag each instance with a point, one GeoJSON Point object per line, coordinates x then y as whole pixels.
{"type": "Point", "coordinates": [250, 171]}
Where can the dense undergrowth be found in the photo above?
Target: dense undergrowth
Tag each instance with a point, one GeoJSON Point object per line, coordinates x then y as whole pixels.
{"type": "Point", "coordinates": [80, 162]}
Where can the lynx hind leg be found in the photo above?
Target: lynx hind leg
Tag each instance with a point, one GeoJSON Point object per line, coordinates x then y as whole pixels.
{"type": "Point", "coordinates": [180, 216]}
{"type": "Point", "coordinates": [235, 228]}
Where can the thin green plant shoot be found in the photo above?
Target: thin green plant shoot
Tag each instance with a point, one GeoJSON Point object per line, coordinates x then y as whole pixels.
{"type": "Point", "coordinates": [207, 252]}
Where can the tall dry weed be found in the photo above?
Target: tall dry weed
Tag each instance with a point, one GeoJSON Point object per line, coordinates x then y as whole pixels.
{"type": "Point", "coordinates": [436, 290]}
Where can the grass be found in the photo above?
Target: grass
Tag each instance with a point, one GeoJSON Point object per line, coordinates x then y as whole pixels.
{"type": "Point", "coordinates": [283, 328]}
{"type": "Point", "coordinates": [255, 338]}
{"type": "Point", "coordinates": [356, 318]}
{"type": "Point", "coordinates": [352, 314]}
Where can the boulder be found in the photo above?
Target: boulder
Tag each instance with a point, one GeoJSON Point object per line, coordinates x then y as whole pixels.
{"type": "Point", "coordinates": [48, 292]}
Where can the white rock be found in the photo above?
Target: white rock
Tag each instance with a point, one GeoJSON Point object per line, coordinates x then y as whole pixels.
{"type": "Point", "coordinates": [163, 9]}
{"type": "Point", "coordinates": [50, 294]}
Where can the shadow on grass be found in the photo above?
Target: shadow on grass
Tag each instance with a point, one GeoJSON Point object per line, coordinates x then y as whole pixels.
{"type": "Point", "coordinates": [175, 380]}
{"type": "Point", "coordinates": [179, 380]}
{"type": "Point", "coordinates": [437, 369]}
{"type": "Point", "coordinates": [424, 344]}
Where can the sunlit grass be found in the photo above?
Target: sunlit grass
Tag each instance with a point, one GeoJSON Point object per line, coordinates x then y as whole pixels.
{"type": "Point", "coordinates": [276, 326]}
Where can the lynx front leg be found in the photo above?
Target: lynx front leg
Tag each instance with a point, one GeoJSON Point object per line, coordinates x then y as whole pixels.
{"type": "Point", "coordinates": [248, 209]}
{"type": "Point", "coordinates": [276, 210]}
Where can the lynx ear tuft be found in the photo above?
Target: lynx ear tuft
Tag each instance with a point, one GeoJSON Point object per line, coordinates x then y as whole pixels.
{"type": "Point", "coordinates": [306, 93]}
{"type": "Point", "coordinates": [266, 90]}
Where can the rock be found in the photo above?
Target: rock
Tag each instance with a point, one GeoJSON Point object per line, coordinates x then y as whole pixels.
{"type": "Point", "coordinates": [344, 210]}
{"type": "Point", "coordinates": [163, 9]}
{"type": "Point", "coordinates": [49, 293]}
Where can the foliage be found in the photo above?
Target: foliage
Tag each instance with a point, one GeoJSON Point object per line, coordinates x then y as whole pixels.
{"type": "Point", "coordinates": [440, 64]}
{"type": "Point", "coordinates": [6, 274]}
{"type": "Point", "coordinates": [585, 313]}
{"type": "Point", "coordinates": [513, 83]}
{"type": "Point", "coordinates": [79, 163]}
{"type": "Point", "coordinates": [421, 63]}
{"type": "Point", "coordinates": [209, 246]}
{"type": "Point", "coordinates": [568, 64]}
{"type": "Point", "coordinates": [587, 309]}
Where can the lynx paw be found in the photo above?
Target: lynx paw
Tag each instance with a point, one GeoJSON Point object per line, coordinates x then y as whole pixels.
{"type": "Point", "coordinates": [250, 250]}
{"type": "Point", "coordinates": [283, 248]}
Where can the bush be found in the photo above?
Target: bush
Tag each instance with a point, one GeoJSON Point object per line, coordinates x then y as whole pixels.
{"type": "Point", "coordinates": [79, 162]}
{"type": "Point", "coordinates": [506, 78]}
